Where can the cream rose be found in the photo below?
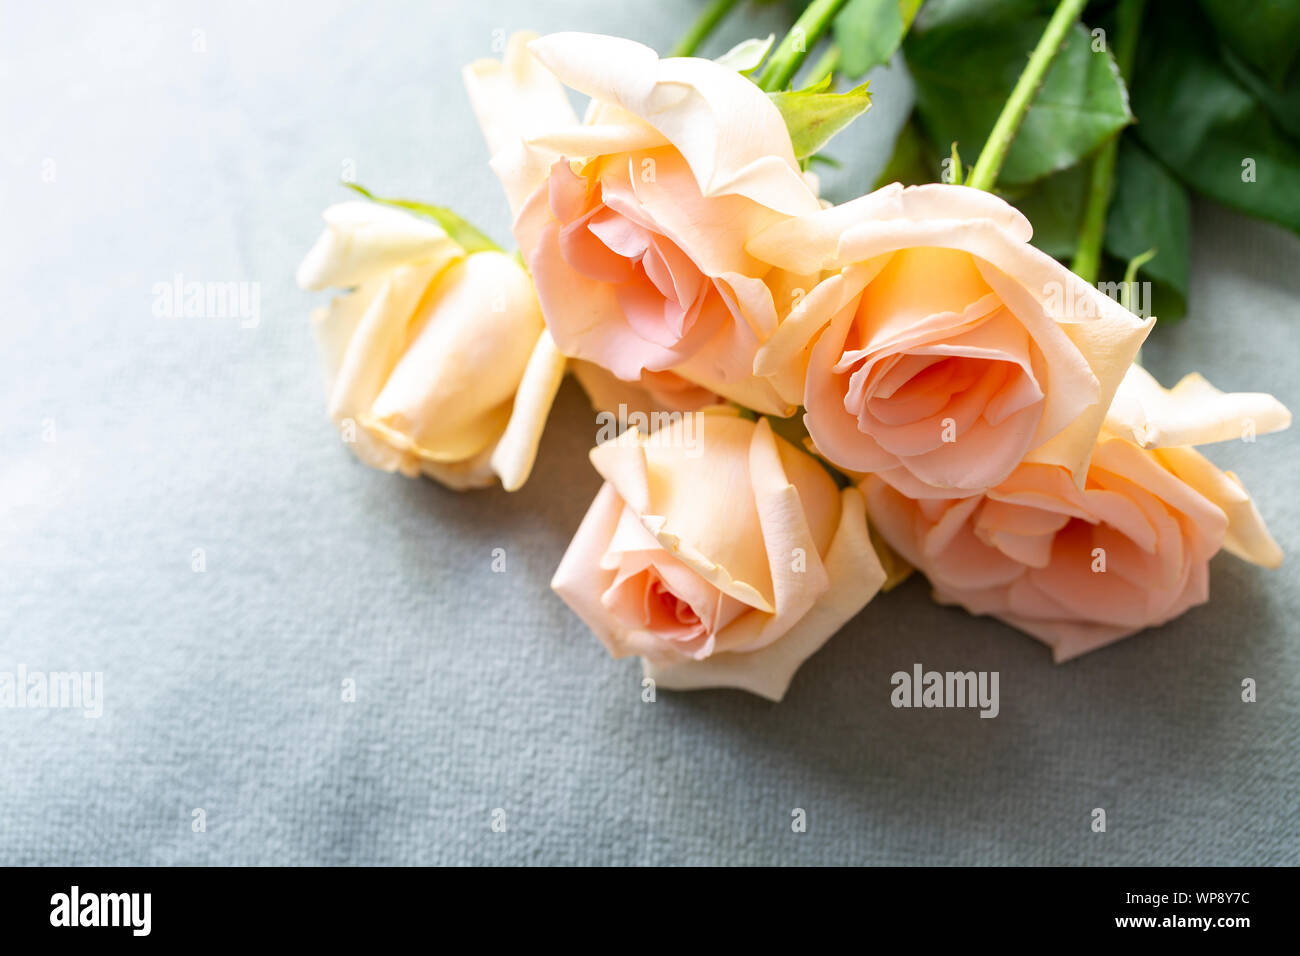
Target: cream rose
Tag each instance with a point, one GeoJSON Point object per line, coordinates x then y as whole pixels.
{"type": "Point", "coordinates": [944, 350]}
{"type": "Point", "coordinates": [719, 553]}
{"type": "Point", "coordinates": [1078, 568]}
{"type": "Point", "coordinates": [437, 361]}
{"type": "Point", "coordinates": [634, 222]}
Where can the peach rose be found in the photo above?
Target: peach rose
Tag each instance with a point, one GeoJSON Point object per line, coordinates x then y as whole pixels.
{"type": "Point", "coordinates": [438, 362]}
{"type": "Point", "coordinates": [1078, 568]}
{"type": "Point", "coordinates": [634, 222]}
{"type": "Point", "coordinates": [944, 350]}
{"type": "Point", "coordinates": [654, 392]}
{"type": "Point", "coordinates": [719, 553]}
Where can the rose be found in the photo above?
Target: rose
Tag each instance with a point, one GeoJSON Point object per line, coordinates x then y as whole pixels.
{"type": "Point", "coordinates": [1080, 568]}
{"type": "Point", "coordinates": [634, 222]}
{"type": "Point", "coordinates": [438, 361]}
{"type": "Point", "coordinates": [1193, 412]}
{"type": "Point", "coordinates": [1075, 569]}
{"type": "Point", "coordinates": [945, 350]}
{"type": "Point", "coordinates": [719, 553]}
{"type": "Point", "coordinates": [656, 392]}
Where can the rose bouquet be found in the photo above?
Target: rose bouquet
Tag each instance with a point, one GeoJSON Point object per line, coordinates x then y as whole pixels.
{"type": "Point", "coordinates": [818, 398]}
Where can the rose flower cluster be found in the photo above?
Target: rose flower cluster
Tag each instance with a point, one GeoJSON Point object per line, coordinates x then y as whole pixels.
{"type": "Point", "coordinates": [962, 404]}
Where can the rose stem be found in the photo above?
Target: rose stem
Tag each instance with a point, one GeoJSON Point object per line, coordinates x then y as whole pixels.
{"type": "Point", "coordinates": [1013, 112]}
{"type": "Point", "coordinates": [702, 27]}
{"type": "Point", "coordinates": [825, 66]}
{"type": "Point", "coordinates": [1101, 182]}
{"type": "Point", "coordinates": [791, 51]}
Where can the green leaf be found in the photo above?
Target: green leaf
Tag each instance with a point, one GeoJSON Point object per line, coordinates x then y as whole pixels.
{"type": "Point", "coordinates": [953, 171]}
{"type": "Point", "coordinates": [747, 55]}
{"type": "Point", "coordinates": [914, 160]}
{"type": "Point", "coordinates": [814, 115]}
{"type": "Point", "coordinates": [965, 58]}
{"type": "Point", "coordinates": [470, 238]}
{"type": "Point", "coordinates": [1206, 127]}
{"type": "Point", "coordinates": [869, 31]}
{"type": "Point", "coordinates": [1054, 206]}
{"type": "Point", "coordinates": [1150, 209]}
{"type": "Point", "coordinates": [1282, 105]}
{"type": "Point", "coordinates": [825, 160]}
{"type": "Point", "coordinates": [1264, 33]}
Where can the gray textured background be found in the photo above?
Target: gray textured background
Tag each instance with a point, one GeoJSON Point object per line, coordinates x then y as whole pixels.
{"type": "Point", "coordinates": [480, 690]}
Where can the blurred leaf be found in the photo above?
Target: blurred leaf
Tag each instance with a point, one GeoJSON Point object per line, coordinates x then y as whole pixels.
{"type": "Point", "coordinates": [869, 31]}
{"type": "Point", "coordinates": [966, 56]}
{"type": "Point", "coordinates": [825, 160]}
{"type": "Point", "coordinates": [814, 115]}
{"type": "Point", "coordinates": [1206, 127]}
{"type": "Point", "coordinates": [1283, 105]}
{"type": "Point", "coordinates": [1264, 33]}
{"type": "Point", "coordinates": [469, 237]}
{"type": "Point", "coordinates": [914, 160]}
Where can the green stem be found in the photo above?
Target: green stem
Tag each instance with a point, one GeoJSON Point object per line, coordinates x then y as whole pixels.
{"type": "Point", "coordinates": [825, 66]}
{"type": "Point", "coordinates": [803, 36]}
{"type": "Point", "coordinates": [995, 149]}
{"type": "Point", "coordinates": [702, 27]}
{"type": "Point", "coordinates": [1101, 181]}
{"type": "Point", "coordinates": [1130, 278]}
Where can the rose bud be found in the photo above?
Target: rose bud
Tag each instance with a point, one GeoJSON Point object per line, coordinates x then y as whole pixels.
{"type": "Point", "coordinates": [438, 361]}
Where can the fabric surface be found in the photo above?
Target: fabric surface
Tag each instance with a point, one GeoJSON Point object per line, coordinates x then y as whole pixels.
{"type": "Point", "coordinates": [203, 141]}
